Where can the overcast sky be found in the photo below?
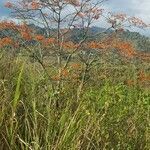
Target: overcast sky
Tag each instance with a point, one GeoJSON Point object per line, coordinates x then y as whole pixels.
{"type": "Point", "coordinates": [138, 8]}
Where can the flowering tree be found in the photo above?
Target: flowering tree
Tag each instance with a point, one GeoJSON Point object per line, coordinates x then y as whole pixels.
{"type": "Point", "coordinates": [59, 18]}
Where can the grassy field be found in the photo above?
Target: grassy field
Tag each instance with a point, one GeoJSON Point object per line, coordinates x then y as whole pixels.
{"type": "Point", "coordinates": [112, 113]}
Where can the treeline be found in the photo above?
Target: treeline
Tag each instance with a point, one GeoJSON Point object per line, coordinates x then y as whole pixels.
{"type": "Point", "coordinates": [141, 42]}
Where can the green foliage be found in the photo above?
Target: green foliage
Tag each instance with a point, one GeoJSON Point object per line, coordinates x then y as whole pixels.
{"type": "Point", "coordinates": [142, 43]}
{"type": "Point", "coordinates": [109, 115]}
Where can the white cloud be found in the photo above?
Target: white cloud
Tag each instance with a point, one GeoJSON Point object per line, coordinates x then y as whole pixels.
{"type": "Point", "coordinates": [137, 8]}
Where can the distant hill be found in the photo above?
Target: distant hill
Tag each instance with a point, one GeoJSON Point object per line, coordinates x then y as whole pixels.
{"type": "Point", "coordinates": [141, 42]}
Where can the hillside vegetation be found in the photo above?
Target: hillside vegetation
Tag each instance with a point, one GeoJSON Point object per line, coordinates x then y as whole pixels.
{"type": "Point", "coordinates": [71, 86]}
{"type": "Point", "coordinates": [112, 112]}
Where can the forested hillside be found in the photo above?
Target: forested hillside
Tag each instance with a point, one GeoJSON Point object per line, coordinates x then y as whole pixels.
{"type": "Point", "coordinates": [141, 42]}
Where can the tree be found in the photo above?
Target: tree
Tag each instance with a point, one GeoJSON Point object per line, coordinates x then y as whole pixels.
{"type": "Point", "coordinates": [59, 18]}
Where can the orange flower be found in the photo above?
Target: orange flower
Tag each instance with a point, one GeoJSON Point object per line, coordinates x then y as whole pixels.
{"type": "Point", "coordinates": [6, 42]}
{"type": "Point", "coordinates": [125, 48]}
{"type": "Point", "coordinates": [26, 36]}
{"type": "Point", "coordinates": [49, 41]}
{"type": "Point", "coordinates": [96, 45]}
{"type": "Point", "coordinates": [142, 76]}
{"type": "Point", "coordinates": [8, 5]}
{"type": "Point", "coordinates": [137, 22]}
{"type": "Point", "coordinates": [39, 38]}
{"type": "Point", "coordinates": [92, 45]}
{"type": "Point", "coordinates": [25, 31]}
{"type": "Point", "coordinates": [70, 45]}
{"type": "Point", "coordinates": [35, 5]}
{"type": "Point", "coordinates": [120, 17]}
{"type": "Point", "coordinates": [64, 72]}
{"type": "Point", "coordinates": [7, 25]}
{"type": "Point", "coordinates": [81, 14]}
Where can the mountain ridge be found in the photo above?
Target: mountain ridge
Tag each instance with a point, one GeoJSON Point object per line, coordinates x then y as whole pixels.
{"type": "Point", "coordinates": [141, 42]}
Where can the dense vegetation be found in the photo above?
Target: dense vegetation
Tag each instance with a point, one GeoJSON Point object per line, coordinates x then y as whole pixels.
{"type": "Point", "coordinates": [141, 42]}
{"type": "Point", "coordinates": [73, 88]}
{"type": "Point", "coordinates": [112, 113]}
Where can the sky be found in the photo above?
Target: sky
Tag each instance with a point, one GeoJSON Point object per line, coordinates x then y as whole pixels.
{"type": "Point", "coordinates": [137, 8]}
{"type": "Point", "coordinates": [3, 11]}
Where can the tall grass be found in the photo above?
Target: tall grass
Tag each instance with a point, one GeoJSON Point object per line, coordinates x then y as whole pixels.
{"type": "Point", "coordinates": [109, 115]}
